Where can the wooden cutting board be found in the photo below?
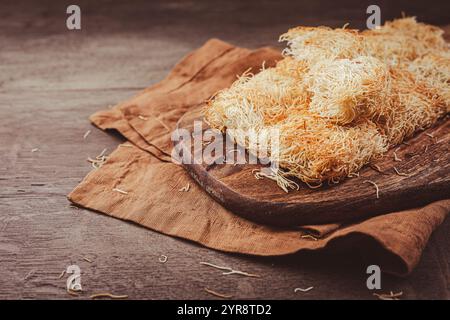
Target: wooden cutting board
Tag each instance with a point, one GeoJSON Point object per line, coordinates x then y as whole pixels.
{"type": "Point", "coordinates": [424, 177]}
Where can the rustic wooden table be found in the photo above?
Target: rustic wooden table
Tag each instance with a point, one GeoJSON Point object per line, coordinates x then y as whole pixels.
{"type": "Point", "coordinates": [52, 79]}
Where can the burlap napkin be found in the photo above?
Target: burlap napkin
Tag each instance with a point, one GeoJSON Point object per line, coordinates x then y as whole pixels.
{"type": "Point", "coordinates": [139, 183]}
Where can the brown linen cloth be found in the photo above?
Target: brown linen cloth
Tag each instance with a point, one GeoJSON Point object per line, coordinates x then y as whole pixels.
{"type": "Point", "coordinates": [151, 183]}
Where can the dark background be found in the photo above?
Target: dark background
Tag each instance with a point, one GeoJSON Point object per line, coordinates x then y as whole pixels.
{"type": "Point", "coordinates": [52, 79]}
{"type": "Point", "coordinates": [259, 22]}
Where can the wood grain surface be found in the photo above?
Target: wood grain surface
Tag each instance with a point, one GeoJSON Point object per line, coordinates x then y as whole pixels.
{"type": "Point", "coordinates": [418, 174]}
{"type": "Point", "coordinates": [52, 79]}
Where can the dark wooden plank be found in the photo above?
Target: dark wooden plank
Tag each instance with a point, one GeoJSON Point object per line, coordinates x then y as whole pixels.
{"type": "Point", "coordinates": [51, 80]}
{"type": "Point", "coordinates": [423, 177]}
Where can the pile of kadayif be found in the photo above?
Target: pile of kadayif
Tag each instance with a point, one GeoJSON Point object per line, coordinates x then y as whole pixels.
{"type": "Point", "coordinates": [340, 97]}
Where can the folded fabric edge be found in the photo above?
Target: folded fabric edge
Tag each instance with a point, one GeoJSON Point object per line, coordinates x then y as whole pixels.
{"type": "Point", "coordinates": [396, 265]}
